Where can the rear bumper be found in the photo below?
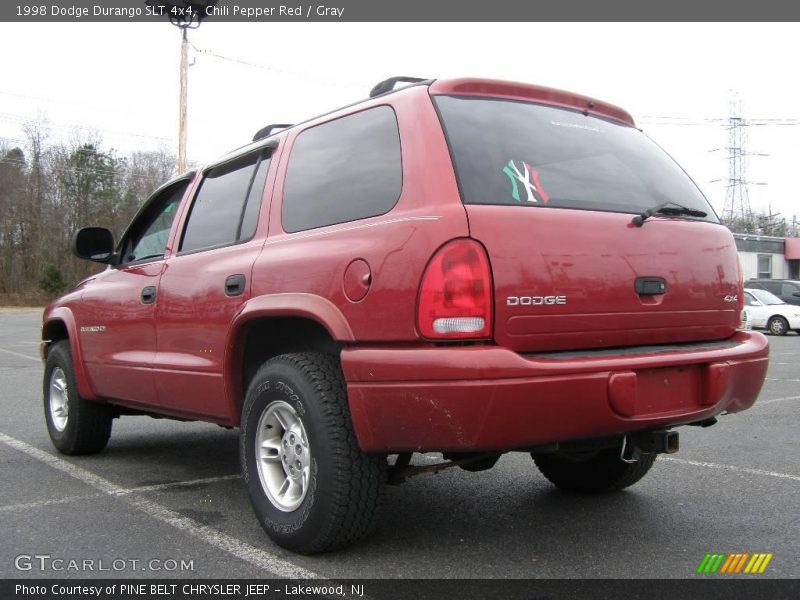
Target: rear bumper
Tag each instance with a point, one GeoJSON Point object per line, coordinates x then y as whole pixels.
{"type": "Point", "coordinates": [490, 398]}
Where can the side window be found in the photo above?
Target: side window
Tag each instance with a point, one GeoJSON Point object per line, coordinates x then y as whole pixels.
{"type": "Point", "coordinates": [226, 207]}
{"type": "Point", "coordinates": [748, 299]}
{"type": "Point", "coordinates": [147, 237]}
{"type": "Point", "coordinates": [343, 170]}
{"type": "Point", "coordinates": [787, 289]}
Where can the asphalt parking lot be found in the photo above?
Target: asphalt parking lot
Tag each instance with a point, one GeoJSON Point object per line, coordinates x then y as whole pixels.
{"type": "Point", "coordinates": [169, 492]}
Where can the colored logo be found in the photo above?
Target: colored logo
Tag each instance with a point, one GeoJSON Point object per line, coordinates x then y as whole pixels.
{"type": "Point", "coordinates": [734, 563]}
{"type": "Point", "coordinates": [529, 179]}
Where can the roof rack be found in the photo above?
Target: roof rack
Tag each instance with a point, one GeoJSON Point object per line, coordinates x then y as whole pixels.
{"type": "Point", "coordinates": [266, 131]}
{"type": "Point", "coordinates": [388, 84]}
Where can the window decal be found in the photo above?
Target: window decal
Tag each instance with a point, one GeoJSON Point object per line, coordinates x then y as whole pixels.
{"type": "Point", "coordinates": [529, 179]}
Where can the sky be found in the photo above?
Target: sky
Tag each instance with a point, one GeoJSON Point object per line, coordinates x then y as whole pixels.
{"type": "Point", "coordinates": [677, 80]}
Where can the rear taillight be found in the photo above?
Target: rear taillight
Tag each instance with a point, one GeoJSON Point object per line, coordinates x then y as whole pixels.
{"type": "Point", "coordinates": [455, 299]}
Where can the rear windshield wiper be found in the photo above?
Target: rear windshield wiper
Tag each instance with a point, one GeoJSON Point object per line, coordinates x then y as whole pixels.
{"type": "Point", "coordinates": [667, 208]}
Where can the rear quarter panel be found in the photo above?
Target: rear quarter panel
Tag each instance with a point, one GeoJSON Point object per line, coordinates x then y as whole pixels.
{"type": "Point", "coordinates": [396, 245]}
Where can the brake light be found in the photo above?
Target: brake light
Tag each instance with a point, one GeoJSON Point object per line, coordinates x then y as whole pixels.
{"type": "Point", "coordinates": [455, 299]}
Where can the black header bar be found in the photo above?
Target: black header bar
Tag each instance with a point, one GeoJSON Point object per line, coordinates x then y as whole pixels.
{"type": "Point", "coordinates": [442, 11]}
{"type": "Point", "coordinates": [706, 588]}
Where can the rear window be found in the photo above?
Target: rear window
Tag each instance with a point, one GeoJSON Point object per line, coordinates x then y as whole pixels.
{"type": "Point", "coordinates": [522, 154]}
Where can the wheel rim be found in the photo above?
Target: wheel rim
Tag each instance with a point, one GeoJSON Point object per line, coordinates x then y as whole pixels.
{"type": "Point", "coordinates": [777, 327]}
{"type": "Point", "coordinates": [59, 399]}
{"type": "Point", "coordinates": [283, 456]}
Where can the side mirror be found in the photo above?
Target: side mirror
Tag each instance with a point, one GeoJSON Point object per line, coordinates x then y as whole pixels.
{"type": "Point", "coordinates": [796, 294]}
{"type": "Point", "coordinates": [755, 302]}
{"type": "Point", "coordinates": [93, 243]}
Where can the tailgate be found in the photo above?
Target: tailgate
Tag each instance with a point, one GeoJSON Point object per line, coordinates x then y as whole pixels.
{"type": "Point", "coordinates": [566, 279]}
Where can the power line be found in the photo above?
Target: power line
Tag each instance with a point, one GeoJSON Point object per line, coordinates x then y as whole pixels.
{"type": "Point", "coordinates": [339, 83]}
{"type": "Point", "coordinates": [112, 109]}
{"type": "Point", "coordinates": [22, 119]}
{"type": "Point", "coordinates": [722, 120]}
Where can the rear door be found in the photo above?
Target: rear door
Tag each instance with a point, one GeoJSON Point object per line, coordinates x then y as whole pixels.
{"type": "Point", "coordinates": [206, 282]}
{"type": "Point", "coordinates": [551, 194]}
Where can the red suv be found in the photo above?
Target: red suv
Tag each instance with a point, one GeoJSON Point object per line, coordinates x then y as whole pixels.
{"type": "Point", "coordinates": [461, 266]}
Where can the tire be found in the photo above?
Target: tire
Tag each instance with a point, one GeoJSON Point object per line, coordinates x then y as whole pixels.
{"type": "Point", "coordinates": [331, 498]}
{"type": "Point", "coordinates": [777, 325]}
{"type": "Point", "coordinates": [598, 472]}
{"type": "Point", "coordinates": [75, 425]}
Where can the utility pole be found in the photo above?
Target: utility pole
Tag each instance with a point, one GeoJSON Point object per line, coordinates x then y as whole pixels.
{"type": "Point", "coordinates": [183, 97]}
{"type": "Point", "coordinates": [184, 14]}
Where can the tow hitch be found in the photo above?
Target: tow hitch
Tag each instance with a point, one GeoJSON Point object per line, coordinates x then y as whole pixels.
{"type": "Point", "coordinates": [648, 442]}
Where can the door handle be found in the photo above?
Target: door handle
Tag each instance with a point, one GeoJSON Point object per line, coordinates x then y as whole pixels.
{"type": "Point", "coordinates": [650, 286]}
{"type": "Point", "coordinates": [149, 294]}
{"type": "Point", "coordinates": [234, 285]}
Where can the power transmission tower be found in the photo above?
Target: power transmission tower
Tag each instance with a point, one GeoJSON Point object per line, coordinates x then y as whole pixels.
{"type": "Point", "coordinates": [737, 213]}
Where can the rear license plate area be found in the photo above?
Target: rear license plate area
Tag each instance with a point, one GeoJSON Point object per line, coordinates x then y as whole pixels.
{"type": "Point", "coordinates": [668, 389]}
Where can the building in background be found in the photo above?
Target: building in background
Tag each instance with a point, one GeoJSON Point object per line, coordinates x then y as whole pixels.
{"type": "Point", "coordinates": [766, 257]}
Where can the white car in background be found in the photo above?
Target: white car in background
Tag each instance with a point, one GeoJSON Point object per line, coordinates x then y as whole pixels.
{"type": "Point", "coordinates": [766, 311]}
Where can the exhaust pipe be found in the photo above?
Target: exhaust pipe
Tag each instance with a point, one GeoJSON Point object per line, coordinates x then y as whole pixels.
{"type": "Point", "coordinates": [649, 442]}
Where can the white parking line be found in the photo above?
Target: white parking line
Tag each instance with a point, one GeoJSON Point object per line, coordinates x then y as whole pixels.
{"type": "Point", "coordinates": [771, 401]}
{"type": "Point", "coordinates": [36, 358]}
{"type": "Point", "coordinates": [173, 484]}
{"type": "Point", "coordinates": [781, 379]}
{"type": "Point", "coordinates": [233, 546]}
{"type": "Point", "coordinates": [39, 503]}
{"type": "Point", "coordinates": [142, 489]}
{"type": "Point", "coordinates": [709, 465]}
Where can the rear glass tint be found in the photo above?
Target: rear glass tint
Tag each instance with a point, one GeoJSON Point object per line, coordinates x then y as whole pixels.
{"type": "Point", "coordinates": [344, 170]}
{"type": "Point", "coordinates": [524, 154]}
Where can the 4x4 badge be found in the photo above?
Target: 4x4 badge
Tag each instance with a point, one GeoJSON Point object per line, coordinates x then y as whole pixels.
{"type": "Point", "coordinates": [529, 178]}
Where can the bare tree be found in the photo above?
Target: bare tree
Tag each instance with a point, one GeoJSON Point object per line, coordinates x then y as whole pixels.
{"type": "Point", "coordinates": [47, 191]}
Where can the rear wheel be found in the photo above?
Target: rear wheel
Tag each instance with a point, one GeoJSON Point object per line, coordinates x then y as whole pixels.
{"type": "Point", "coordinates": [310, 485]}
{"type": "Point", "coordinates": [777, 325]}
{"type": "Point", "coordinates": [592, 472]}
{"type": "Point", "coordinates": [75, 425]}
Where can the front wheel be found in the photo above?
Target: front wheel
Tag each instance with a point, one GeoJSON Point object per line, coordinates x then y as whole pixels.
{"type": "Point", "coordinates": [593, 472]}
{"type": "Point", "coordinates": [778, 325]}
{"type": "Point", "coordinates": [75, 425]}
{"type": "Point", "coordinates": [310, 485]}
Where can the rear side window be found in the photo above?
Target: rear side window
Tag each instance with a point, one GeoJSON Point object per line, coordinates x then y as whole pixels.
{"type": "Point", "coordinates": [225, 208]}
{"type": "Point", "coordinates": [523, 154]}
{"type": "Point", "coordinates": [343, 170]}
